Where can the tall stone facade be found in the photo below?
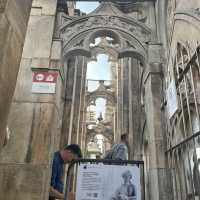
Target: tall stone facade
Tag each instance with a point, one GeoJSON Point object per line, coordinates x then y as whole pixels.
{"type": "Point", "coordinates": [35, 119]}
{"type": "Point", "coordinates": [154, 50]}
{"type": "Point", "coordinates": [14, 15]}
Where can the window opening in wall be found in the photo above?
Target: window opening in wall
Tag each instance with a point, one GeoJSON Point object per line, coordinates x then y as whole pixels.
{"type": "Point", "coordinates": [185, 124]}
{"type": "Point", "coordinates": [104, 41]}
{"type": "Point", "coordinates": [98, 110]}
{"type": "Point", "coordinates": [98, 70]}
{"type": "Point", "coordinates": [86, 7]}
{"type": "Point", "coordinates": [100, 77]}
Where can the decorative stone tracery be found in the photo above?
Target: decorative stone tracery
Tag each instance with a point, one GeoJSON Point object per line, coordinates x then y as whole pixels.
{"type": "Point", "coordinates": [80, 32]}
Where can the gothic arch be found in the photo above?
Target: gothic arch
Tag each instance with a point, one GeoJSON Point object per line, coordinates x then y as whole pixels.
{"type": "Point", "coordinates": [130, 34]}
{"type": "Point", "coordinates": [139, 45]}
{"type": "Point", "coordinates": [129, 52]}
{"type": "Point", "coordinates": [112, 22]}
{"type": "Point", "coordinates": [108, 133]}
{"type": "Point", "coordinates": [191, 16]}
{"type": "Point", "coordinates": [102, 50]}
{"type": "Point", "coordinates": [78, 51]}
{"type": "Point", "coordinates": [92, 96]}
{"type": "Point", "coordinates": [103, 33]}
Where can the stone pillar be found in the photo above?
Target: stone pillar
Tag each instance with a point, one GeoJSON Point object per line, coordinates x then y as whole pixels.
{"type": "Point", "coordinates": [70, 73]}
{"type": "Point", "coordinates": [34, 119]}
{"type": "Point", "coordinates": [71, 6]}
{"type": "Point", "coordinates": [83, 106]}
{"type": "Point", "coordinates": [134, 109]}
{"type": "Point", "coordinates": [14, 15]}
{"type": "Point", "coordinates": [161, 20]}
{"type": "Point", "coordinates": [125, 79]}
{"type": "Point", "coordinates": [159, 188]}
{"type": "Point", "coordinates": [75, 100]}
{"type": "Point", "coordinates": [78, 97]}
{"type": "Point", "coordinates": [119, 102]}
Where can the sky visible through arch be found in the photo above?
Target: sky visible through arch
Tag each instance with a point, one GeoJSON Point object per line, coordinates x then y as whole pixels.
{"type": "Point", "coordinates": [99, 70]}
{"type": "Point", "coordinates": [87, 7]}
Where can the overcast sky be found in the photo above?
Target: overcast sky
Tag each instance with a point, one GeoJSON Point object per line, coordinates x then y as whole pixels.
{"type": "Point", "coordinates": [87, 7]}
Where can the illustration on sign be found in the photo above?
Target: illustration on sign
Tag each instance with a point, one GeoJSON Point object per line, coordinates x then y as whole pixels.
{"type": "Point", "coordinates": [44, 82]}
{"type": "Point", "coordinates": [108, 182]}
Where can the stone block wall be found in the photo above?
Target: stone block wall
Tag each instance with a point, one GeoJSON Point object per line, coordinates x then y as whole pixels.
{"type": "Point", "coordinates": [14, 15]}
{"type": "Point", "coordinates": [34, 118]}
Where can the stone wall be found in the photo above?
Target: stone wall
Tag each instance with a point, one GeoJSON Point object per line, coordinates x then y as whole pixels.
{"type": "Point", "coordinates": [14, 15]}
{"type": "Point", "coordinates": [183, 22]}
{"type": "Point", "coordinates": [183, 27]}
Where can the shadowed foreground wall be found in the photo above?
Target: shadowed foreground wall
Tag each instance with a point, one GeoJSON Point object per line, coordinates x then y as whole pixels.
{"type": "Point", "coordinates": [14, 15]}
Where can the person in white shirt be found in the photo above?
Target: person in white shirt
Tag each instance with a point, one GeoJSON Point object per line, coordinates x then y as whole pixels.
{"type": "Point", "coordinates": [119, 151]}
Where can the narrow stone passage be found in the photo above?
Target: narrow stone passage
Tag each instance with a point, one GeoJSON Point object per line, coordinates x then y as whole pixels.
{"type": "Point", "coordinates": [121, 79]}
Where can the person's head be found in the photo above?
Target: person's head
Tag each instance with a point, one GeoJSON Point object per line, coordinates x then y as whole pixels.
{"type": "Point", "coordinates": [71, 152]}
{"type": "Point", "coordinates": [124, 137]}
{"type": "Point", "coordinates": [127, 176]}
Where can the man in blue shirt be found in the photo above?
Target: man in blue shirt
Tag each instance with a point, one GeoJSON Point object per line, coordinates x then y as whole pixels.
{"type": "Point", "coordinates": [71, 152]}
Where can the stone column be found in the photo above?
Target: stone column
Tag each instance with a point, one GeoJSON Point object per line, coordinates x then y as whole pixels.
{"type": "Point", "coordinates": [70, 73]}
{"type": "Point", "coordinates": [161, 20]}
{"type": "Point", "coordinates": [75, 100]}
{"type": "Point", "coordinates": [82, 107]}
{"type": "Point", "coordinates": [78, 98]}
{"type": "Point", "coordinates": [159, 188]}
{"type": "Point", "coordinates": [14, 15]}
{"type": "Point", "coordinates": [134, 109]}
{"type": "Point", "coordinates": [119, 102]}
{"type": "Point", "coordinates": [34, 119]}
{"type": "Point", "coordinates": [125, 79]}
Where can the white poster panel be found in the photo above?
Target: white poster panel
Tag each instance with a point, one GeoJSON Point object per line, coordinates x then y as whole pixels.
{"type": "Point", "coordinates": [172, 100]}
{"type": "Point", "coordinates": [108, 182]}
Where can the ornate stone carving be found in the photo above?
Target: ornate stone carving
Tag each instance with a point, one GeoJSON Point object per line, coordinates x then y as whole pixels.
{"type": "Point", "coordinates": [103, 91]}
{"type": "Point", "coordinates": [129, 45]}
{"type": "Point", "coordinates": [101, 128]}
{"type": "Point", "coordinates": [196, 11]}
{"type": "Point", "coordinates": [103, 21]}
{"type": "Point", "coordinates": [79, 43]}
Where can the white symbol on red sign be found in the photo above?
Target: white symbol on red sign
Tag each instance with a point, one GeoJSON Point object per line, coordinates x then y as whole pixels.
{"type": "Point", "coordinates": [50, 78]}
{"type": "Point", "coordinates": [44, 82]}
{"type": "Point", "coordinates": [39, 77]}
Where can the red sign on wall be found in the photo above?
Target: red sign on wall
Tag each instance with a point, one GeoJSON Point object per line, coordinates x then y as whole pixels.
{"type": "Point", "coordinates": [44, 82]}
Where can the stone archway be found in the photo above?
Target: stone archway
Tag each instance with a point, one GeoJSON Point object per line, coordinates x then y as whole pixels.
{"type": "Point", "coordinates": [129, 48]}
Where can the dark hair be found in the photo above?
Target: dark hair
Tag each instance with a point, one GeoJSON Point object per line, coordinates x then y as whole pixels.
{"type": "Point", "coordinates": [124, 136]}
{"type": "Point", "coordinates": [75, 149]}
